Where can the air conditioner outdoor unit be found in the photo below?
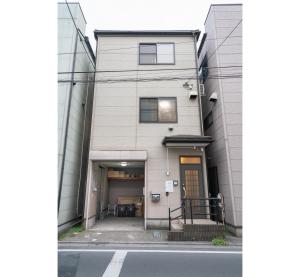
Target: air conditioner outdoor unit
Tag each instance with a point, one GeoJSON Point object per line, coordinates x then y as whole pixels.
{"type": "Point", "coordinates": [193, 94]}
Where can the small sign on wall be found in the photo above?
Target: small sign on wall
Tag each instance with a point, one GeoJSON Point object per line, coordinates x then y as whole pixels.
{"type": "Point", "coordinates": [169, 186]}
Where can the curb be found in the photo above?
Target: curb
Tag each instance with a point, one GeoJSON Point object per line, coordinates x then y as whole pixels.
{"type": "Point", "coordinates": [198, 243]}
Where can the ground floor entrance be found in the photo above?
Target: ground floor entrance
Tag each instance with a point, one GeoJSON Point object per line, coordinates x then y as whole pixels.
{"type": "Point", "coordinates": [116, 199]}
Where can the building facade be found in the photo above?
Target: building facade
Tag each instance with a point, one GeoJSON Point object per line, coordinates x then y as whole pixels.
{"type": "Point", "coordinates": [74, 111]}
{"type": "Point", "coordinates": [147, 137]}
{"type": "Point", "coordinates": [220, 60]}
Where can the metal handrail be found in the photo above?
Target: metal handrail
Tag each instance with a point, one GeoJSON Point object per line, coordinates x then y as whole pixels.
{"type": "Point", "coordinates": [213, 202]}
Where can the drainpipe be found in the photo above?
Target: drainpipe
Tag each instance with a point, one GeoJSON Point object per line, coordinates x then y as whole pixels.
{"type": "Point", "coordinates": [198, 91]}
{"type": "Point", "coordinates": [67, 123]}
{"type": "Point", "coordinates": [82, 145]}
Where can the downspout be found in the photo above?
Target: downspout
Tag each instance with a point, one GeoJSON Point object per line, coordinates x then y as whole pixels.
{"type": "Point", "coordinates": [198, 92]}
{"type": "Point", "coordinates": [89, 163]}
{"type": "Point", "coordinates": [82, 146]}
{"type": "Point", "coordinates": [67, 124]}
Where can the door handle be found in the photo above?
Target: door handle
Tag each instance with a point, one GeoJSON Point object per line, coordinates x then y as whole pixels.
{"type": "Point", "coordinates": [184, 191]}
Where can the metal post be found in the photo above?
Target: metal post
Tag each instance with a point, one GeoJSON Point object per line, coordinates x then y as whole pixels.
{"type": "Point", "coordinates": [184, 212]}
{"type": "Point", "coordinates": [217, 209]}
{"type": "Point", "coordinates": [169, 219]}
{"type": "Point", "coordinates": [191, 210]}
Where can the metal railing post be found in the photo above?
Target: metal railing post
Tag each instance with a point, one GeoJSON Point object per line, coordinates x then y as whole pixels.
{"type": "Point", "coordinates": [191, 211]}
{"type": "Point", "coordinates": [169, 219]}
{"type": "Point", "coordinates": [184, 212]}
{"type": "Point", "coordinates": [217, 209]}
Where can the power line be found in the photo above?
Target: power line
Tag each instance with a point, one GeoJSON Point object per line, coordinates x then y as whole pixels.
{"type": "Point", "coordinates": [79, 33]}
{"type": "Point", "coordinates": [224, 40]}
{"type": "Point", "coordinates": [236, 75]}
{"type": "Point", "coordinates": [136, 47]}
{"type": "Point", "coordinates": [144, 70]}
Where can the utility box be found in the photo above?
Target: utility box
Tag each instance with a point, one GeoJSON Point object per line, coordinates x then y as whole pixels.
{"type": "Point", "coordinates": [155, 197]}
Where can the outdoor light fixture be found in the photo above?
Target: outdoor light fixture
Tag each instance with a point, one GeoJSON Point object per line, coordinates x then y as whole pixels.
{"type": "Point", "coordinates": [123, 163]}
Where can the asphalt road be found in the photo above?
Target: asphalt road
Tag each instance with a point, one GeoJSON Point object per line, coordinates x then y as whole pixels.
{"type": "Point", "coordinates": [149, 262]}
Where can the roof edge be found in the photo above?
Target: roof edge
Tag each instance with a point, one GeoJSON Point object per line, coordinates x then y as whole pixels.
{"type": "Point", "coordinates": [74, 3]}
{"type": "Point", "coordinates": [233, 4]}
{"type": "Point", "coordinates": [147, 32]}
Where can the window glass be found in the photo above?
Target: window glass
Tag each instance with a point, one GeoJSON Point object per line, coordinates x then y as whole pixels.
{"type": "Point", "coordinates": [148, 48]}
{"type": "Point", "coordinates": [148, 59]}
{"type": "Point", "coordinates": [148, 110]}
{"type": "Point", "coordinates": [165, 53]}
{"type": "Point", "coordinates": [157, 53]}
{"type": "Point", "coordinates": [158, 110]}
{"type": "Point", "coordinates": [167, 110]}
{"type": "Point", "coordinates": [190, 160]}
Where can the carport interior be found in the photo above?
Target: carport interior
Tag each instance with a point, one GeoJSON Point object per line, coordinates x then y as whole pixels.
{"type": "Point", "coordinates": [119, 190]}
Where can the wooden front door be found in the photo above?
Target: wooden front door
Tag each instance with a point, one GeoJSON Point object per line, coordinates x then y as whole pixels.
{"type": "Point", "coordinates": [192, 186]}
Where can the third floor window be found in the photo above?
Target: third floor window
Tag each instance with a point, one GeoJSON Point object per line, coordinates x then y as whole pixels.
{"type": "Point", "coordinates": [157, 53]}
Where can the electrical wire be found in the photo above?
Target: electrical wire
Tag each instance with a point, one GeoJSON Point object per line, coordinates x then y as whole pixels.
{"type": "Point", "coordinates": [173, 78]}
{"type": "Point", "coordinates": [80, 34]}
{"type": "Point", "coordinates": [214, 52]}
{"type": "Point", "coordinates": [144, 70]}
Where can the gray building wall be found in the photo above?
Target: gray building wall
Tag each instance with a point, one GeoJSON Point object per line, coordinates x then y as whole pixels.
{"type": "Point", "coordinates": [116, 126]}
{"type": "Point", "coordinates": [75, 148]}
{"type": "Point", "coordinates": [226, 151]}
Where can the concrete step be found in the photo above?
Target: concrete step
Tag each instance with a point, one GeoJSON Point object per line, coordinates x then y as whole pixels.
{"type": "Point", "coordinates": [195, 232]}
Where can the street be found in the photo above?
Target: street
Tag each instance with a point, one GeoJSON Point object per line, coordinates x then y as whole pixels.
{"type": "Point", "coordinates": [128, 261]}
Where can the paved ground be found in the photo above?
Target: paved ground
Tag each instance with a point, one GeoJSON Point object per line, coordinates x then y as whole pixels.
{"type": "Point", "coordinates": [154, 261]}
{"type": "Point", "coordinates": [148, 236]}
{"type": "Point", "coordinates": [112, 223]}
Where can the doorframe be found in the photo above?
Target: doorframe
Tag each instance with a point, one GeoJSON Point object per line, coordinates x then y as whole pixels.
{"type": "Point", "coordinates": [201, 164]}
{"type": "Point", "coordinates": [204, 173]}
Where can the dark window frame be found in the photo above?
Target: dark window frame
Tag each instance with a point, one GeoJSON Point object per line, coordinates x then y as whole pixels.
{"type": "Point", "coordinates": [159, 98]}
{"type": "Point", "coordinates": [155, 43]}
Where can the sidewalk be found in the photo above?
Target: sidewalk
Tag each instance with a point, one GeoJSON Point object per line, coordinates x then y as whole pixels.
{"type": "Point", "coordinates": [138, 237]}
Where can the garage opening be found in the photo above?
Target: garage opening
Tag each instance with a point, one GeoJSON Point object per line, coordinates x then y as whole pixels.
{"type": "Point", "coordinates": [120, 196]}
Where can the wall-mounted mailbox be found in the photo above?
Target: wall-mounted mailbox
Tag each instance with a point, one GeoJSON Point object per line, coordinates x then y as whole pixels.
{"type": "Point", "coordinates": [155, 197]}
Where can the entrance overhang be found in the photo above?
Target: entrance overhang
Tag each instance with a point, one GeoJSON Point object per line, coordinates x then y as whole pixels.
{"type": "Point", "coordinates": [118, 155]}
{"type": "Point", "coordinates": [186, 141]}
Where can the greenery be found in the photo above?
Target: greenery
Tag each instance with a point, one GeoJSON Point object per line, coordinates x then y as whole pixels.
{"type": "Point", "coordinates": [218, 242]}
{"type": "Point", "coordinates": [71, 231]}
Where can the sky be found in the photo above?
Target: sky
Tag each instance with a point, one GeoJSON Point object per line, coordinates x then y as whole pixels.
{"type": "Point", "coordinates": [145, 15]}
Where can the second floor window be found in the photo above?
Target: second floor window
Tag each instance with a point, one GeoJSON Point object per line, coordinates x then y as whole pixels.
{"type": "Point", "coordinates": [158, 110]}
{"type": "Point", "coordinates": [157, 53]}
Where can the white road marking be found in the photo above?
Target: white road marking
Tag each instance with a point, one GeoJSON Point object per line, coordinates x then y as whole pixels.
{"type": "Point", "coordinates": [115, 265]}
{"type": "Point", "coordinates": [152, 251]}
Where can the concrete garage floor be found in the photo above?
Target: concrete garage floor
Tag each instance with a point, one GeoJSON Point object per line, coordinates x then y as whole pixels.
{"type": "Point", "coordinates": [112, 223]}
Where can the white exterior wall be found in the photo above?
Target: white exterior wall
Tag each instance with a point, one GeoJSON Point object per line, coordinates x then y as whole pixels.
{"type": "Point", "coordinates": [116, 126]}
{"type": "Point", "coordinates": [73, 156]}
{"type": "Point", "coordinates": [226, 151]}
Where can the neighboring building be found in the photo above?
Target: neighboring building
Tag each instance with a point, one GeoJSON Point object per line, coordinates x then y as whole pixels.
{"type": "Point", "coordinates": [74, 112]}
{"type": "Point", "coordinates": [146, 128]}
{"type": "Point", "coordinates": [220, 60]}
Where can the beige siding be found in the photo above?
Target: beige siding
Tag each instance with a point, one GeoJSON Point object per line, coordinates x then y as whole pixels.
{"type": "Point", "coordinates": [116, 123]}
